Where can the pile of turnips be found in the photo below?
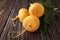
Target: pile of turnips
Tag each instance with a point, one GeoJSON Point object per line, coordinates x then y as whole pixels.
{"type": "Point", "coordinates": [30, 18]}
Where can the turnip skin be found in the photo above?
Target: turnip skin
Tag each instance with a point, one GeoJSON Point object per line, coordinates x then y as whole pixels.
{"type": "Point", "coordinates": [36, 9]}
{"type": "Point", "coordinates": [23, 12]}
{"type": "Point", "coordinates": [31, 23]}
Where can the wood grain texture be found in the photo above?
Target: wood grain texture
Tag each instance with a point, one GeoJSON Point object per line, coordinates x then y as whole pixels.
{"type": "Point", "coordinates": [6, 8]}
{"type": "Point", "coordinates": [9, 9]}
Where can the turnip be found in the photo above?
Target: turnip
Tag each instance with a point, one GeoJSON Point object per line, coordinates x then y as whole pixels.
{"type": "Point", "coordinates": [36, 9]}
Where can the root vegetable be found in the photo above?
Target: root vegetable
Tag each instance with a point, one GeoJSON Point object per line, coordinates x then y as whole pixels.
{"type": "Point", "coordinates": [23, 12]}
{"type": "Point", "coordinates": [36, 9]}
{"type": "Point", "coordinates": [31, 23]}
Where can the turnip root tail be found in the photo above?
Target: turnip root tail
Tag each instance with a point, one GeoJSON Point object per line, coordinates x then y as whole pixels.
{"type": "Point", "coordinates": [14, 18]}
{"type": "Point", "coordinates": [20, 33]}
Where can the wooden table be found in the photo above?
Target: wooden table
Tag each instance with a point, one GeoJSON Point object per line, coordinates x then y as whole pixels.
{"type": "Point", "coordinates": [9, 9]}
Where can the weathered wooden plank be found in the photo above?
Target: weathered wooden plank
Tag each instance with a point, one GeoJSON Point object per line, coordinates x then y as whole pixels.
{"type": "Point", "coordinates": [29, 36]}
{"type": "Point", "coordinates": [2, 2]}
{"type": "Point", "coordinates": [54, 32]}
{"type": "Point", "coordinates": [56, 26]}
{"type": "Point", "coordinates": [37, 35]}
{"type": "Point", "coordinates": [43, 36]}
{"type": "Point", "coordinates": [4, 33]}
{"type": "Point", "coordinates": [56, 2]}
{"type": "Point", "coordinates": [4, 15]}
{"type": "Point", "coordinates": [7, 34]}
{"type": "Point", "coordinates": [13, 13]}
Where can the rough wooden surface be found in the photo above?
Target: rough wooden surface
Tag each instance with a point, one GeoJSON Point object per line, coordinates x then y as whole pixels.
{"type": "Point", "coordinates": [9, 9]}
